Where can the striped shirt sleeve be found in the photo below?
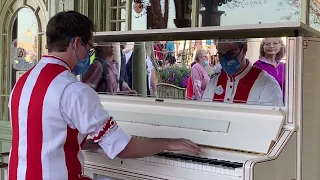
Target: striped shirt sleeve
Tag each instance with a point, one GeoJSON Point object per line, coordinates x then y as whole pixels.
{"type": "Point", "coordinates": [82, 109]}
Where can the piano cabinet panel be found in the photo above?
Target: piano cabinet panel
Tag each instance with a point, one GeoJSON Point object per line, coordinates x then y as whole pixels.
{"type": "Point", "coordinates": [278, 164]}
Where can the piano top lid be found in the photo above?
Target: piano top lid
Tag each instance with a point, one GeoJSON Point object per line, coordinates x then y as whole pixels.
{"type": "Point", "coordinates": [291, 29]}
{"type": "Point", "coordinates": [231, 126]}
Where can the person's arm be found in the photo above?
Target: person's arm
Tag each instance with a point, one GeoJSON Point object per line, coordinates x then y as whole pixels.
{"type": "Point", "coordinates": [271, 94]}
{"type": "Point", "coordinates": [82, 109]}
{"type": "Point", "coordinates": [134, 150]}
{"type": "Point", "coordinates": [196, 82]}
{"type": "Point", "coordinates": [156, 145]}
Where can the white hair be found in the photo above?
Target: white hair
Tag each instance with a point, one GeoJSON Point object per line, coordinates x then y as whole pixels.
{"type": "Point", "coordinates": [200, 53]}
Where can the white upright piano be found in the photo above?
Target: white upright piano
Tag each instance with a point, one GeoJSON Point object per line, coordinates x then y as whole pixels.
{"type": "Point", "coordinates": [239, 142]}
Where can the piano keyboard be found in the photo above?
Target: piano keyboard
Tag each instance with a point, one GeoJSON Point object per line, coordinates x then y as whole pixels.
{"type": "Point", "coordinates": [197, 163]}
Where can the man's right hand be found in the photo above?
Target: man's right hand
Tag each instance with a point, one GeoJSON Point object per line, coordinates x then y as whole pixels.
{"type": "Point", "coordinates": [183, 145]}
{"type": "Point", "coordinates": [144, 147]}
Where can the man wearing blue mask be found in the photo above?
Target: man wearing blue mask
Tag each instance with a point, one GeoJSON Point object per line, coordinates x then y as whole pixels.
{"type": "Point", "coordinates": [52, 112]}
{"type": "Point", "coordinates": [239, 81]}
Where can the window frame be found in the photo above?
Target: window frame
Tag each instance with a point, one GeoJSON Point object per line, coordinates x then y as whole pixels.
{"type": "Point", "coordinates": [117, 21]}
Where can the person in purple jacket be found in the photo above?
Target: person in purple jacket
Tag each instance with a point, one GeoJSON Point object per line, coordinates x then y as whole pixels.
{"type": "Point", "coordinates": [272, 51]}
{"type": "Point", "coordinates": [199, 75]}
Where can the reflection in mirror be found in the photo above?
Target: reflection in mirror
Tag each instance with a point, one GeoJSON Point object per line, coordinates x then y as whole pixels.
{"type": "Point", "coordinates": [248, 71]}
{"type": "Point", "coordinates": [241, 12]}
{"type": "Point", "coordinates": [24, 48]}
{"type": "Point", "coordinates": [161, 14]}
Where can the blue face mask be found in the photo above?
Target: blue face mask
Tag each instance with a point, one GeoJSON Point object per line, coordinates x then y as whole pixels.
{"type": "Point", "coordinates": [82, 65]}
{"type": "Point", "coordinates": [230, 64]}
{"type": "Point", "coordinates": [206, 63]}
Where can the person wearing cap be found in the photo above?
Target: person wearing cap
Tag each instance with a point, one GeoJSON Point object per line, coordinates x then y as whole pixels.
{"type": "Point", "coordinates": [52, 112]}
{"type": "Point", "coordinates": [239, 81]}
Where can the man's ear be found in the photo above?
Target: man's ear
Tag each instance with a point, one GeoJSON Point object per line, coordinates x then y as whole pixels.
{"type": "Point", "coordinates": [76, 43]}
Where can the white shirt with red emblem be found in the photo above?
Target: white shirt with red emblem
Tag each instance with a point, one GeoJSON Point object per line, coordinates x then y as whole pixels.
{"type": "Point", "coordinates": [52, 113]}
{"type": "Point", "coordinates": [250, 86]}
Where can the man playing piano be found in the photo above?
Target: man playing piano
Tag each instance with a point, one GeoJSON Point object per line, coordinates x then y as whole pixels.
{"type": "Point", "coordinates": [52, 112]}
{"type": "Point", "coordinates": [240, 82]}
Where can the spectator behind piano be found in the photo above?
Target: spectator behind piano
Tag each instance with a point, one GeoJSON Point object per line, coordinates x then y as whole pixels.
{"type": "Point", "coordinates": [199, 75]}
{"type": "Point", "coordinates": [272, 51]}
{"type": "Point", "coordinates": [239, 81]}
{"type": "Point", "coordinates": [151, 73]}
{"type": "Point", "coordinates": [103, 73]}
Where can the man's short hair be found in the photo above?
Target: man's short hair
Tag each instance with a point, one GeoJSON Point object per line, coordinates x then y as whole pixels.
{"type": "Point", "coordinates": [240, 42]}
{"type": "Point", "coordinates": [66, 25]}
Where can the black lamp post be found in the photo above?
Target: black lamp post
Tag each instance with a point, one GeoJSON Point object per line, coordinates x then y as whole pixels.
{"type": "Point", "coordinates": [183, 13]}
{"type": "Point", "coordinates": [208, 9]}
{"type": "Point", "coordinates": [211, 16]}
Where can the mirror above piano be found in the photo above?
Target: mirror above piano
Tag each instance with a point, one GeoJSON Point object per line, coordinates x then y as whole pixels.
{"type": "Point", "coordinates": [194, 70]}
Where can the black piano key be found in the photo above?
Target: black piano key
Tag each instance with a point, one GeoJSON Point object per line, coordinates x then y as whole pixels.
{"type": "Point", "coordinates": [160, 154]}
{"type": "Point", "coordinates": [214, 162]}
{"type": "Point", "coordinates": [238, 165]}
{"type": "Point", "coordinates": [205, 160]}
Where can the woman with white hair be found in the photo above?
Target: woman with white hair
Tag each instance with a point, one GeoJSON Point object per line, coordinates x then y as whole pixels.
{"type": "Point", "coordinates": [199, 75]}
{"type": "Point", "coordinates": [272, 51]}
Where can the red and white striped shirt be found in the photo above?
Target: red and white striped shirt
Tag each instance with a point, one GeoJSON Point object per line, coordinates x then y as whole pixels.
{"type": "Point", "coordinates": [52, 113]}
{"type": "Point", "coordinates": [250, 86]}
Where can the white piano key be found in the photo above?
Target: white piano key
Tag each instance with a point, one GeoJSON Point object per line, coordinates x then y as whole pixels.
{"type": "Point", "coordinates": [227, 171]}
{"type": "Point", "coordinates": [195, 166]}
{"type": "Point", "coordinates": [200, 167]}
{"type": "Point", "coordinates": [163, 161]}
{"type": "Point", "coordinates": [213, 169]}
{"type": "Point", "coordinates": [222, 171]}
{"type": "Point", "coordinates": [238, 172]}
{"type": "Point", "coordinates": [167, 161]}
{"type": "Point", "coordinates": [175, 163]}
{"type": "Point", "coordinates": [171, 162]}
{"type": "Point", "coordinates": [187, 165]}
{"type": "Point", "coordinates": [183, 164]}
{"type": "Point", "coordinates": [179, 163]}
{"type": "Point", "coordinates": [152, 159]}
{"type": "Point", "coordinates": [231, 172]}
{"type": "Point", "coordinates": [218, 170]}
{"type": "Point", "coordinates": [207, 168]}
